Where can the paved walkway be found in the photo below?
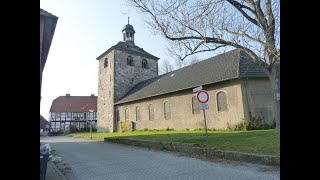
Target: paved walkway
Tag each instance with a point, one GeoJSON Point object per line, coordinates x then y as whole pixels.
{"type": "Point", "coordinates": [53, 173]}
{"type": "Point", "coordinates": [84, 159]}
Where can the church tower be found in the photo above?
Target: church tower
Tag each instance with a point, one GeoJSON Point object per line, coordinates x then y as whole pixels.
{"type": "Point", "coordinates": [121, 67]}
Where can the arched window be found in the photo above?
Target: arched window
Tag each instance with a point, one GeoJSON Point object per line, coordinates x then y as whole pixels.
{"type": "Point", "coordinates": [105, 62]}
{"type": "Point", "coordinates": [126, 114]}
{"type": "Point", "coordinates": [167, 110]}
{"type": "Point", "coordinates": [222, 101]}
{"type": "Point", "coordinates": [195, 105]}
{"type": "Point", "coordinates": [144, 64]}
{"type": "Point", "coordinates": [138, 113]}
{"type": "Point", "coordinates": [129, 61]}
{"type": "Point", "coordinates": [151, 112]}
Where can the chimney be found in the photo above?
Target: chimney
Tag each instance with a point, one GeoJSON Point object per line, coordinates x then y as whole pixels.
{"type": "Point", "coordinates": [92, 95]}
{"type": "Point", "coordinates": [68, 95]}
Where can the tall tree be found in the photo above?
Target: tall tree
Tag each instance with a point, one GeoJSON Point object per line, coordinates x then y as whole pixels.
{"type": "Point", "coordinates": [165, 67]}
{"type": "Point", "coordinates": [195, 26]}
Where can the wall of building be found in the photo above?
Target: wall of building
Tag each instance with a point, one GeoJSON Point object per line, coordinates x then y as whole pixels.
{"type": "Point", "coordinates": [116, 80]}
{"type": "Point", "coordinates": [105, 106]}
{"type": "Point", "coordinates": [258, 103]}
{"type": "Point", "coordinates": [181, 109]}
{"type": "Point", "coordinates": [63, 120]}
{"type": "Point", "coordinates": [41, 39]}
{"type": "Point", "coordinates": [128, 76]}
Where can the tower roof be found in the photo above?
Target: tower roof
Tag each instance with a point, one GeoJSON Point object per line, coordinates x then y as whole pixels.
{"type": "Point", "coordinates": [123, 46]}
{"type": "Point", "coordinates": [128, 27]}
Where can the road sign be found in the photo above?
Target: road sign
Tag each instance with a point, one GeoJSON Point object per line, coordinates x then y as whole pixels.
{"type": "Point", "coordinates": [197, 89]}
{"type": "Point", "coordinates": [203, 106]}
{"type": "Point", "coordinates": [202, 96]}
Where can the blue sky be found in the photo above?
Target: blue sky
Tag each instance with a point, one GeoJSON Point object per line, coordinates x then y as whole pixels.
{"type": "Point", "coordinates": [85, 29]}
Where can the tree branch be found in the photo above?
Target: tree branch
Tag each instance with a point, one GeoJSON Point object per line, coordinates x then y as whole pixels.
{"type": "Point", "coordinates": [271, 17]}
{"type": "Point", "coordinates": [239, 7]}
{"type": "Point", "coordinates": [195, 52]}
{"type": "Point", "coordinates": [261, 17]}
{"type": "Point", "coordinates": [245, 35]}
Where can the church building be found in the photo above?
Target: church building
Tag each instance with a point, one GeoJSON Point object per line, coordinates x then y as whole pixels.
{"type": "Point", "coordinates": [132, 96]}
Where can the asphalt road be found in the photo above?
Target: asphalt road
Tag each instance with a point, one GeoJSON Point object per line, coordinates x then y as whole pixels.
{"type": "Point", "coordinates": [85, 159]}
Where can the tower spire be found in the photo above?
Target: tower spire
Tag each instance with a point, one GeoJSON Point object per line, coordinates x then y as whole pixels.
{"type": "Point", "coordinates": [128, 33]}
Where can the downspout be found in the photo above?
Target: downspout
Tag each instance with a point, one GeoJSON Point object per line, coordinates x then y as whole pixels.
{"type": "Point", "coordinates": [247, 99]}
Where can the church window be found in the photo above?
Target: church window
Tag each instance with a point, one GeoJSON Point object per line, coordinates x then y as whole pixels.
{"type": "Point", "coordinates": [126, 114]}
{"type": "Point", "coordinates": [167, 110]}
{"type": "Point", "coordinates": [151, 112]}
{"type": "Point", "coordinates": [129, 61]}
{"type": "Point", "coordinates": [138, 116]}
{"type": "Point", "coordinates": [144, 64]}
{"type": "Point", "coordinates": [222, 101]}
{"type": "Point", "coordinates": [195, 106]}
{"type": "Point", "coordinates": [105, 62]}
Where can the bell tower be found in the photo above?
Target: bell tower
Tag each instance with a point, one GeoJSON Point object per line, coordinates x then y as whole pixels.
{"type": "Point", "coordinates": [121, 67]}
{"type": "Point", "coordinates": [128, 34]}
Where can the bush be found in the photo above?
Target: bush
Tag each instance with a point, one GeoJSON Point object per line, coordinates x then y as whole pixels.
{"type": "Point", "coordinates": [243, 126]}
{"type": "Point", "coordinates": [56, 133]}
{"type": "Point", "coordinates": [256, 123]}
{"type": "Point", "coordinates": [168, 129]}
{"type": "Point", "coordinates": [73, 128]}
{"type": "Point", "coordinates": [199, 129]}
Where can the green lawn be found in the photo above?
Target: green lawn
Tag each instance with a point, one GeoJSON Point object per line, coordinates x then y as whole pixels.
{"type": "Point", "coordinates": [257, 141]}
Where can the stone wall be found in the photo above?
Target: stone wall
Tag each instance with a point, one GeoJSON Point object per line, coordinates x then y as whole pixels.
{"type": "Point", "coordinates": [116, 80]}
{"type": "Point", "coordinates": [105, 106]}
{"type": "Point", "coordinates": [128, 76]}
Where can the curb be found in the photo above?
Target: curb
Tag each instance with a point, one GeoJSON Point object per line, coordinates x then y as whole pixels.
{"type": "Point", "coordinates": [58, 171]}
{"type": "Point", "coordinates": [192, 149]}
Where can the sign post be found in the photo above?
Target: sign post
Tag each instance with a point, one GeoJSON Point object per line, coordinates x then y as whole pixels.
{"type": "Point", "coordinates": [203, 98]}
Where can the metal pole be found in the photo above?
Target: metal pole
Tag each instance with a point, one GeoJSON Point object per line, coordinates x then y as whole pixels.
{"type": "Point", "coordinates": [91, 126]}
{"type": "Point", "coordinates": [205, 125]}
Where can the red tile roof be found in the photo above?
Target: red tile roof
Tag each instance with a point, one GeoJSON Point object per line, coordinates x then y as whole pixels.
{"type": "Point", "coordinates": [74, 104]}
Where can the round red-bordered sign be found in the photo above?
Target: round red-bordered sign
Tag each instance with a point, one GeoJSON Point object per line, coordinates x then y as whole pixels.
{"type": "Point", "coordinates": [202, 96]}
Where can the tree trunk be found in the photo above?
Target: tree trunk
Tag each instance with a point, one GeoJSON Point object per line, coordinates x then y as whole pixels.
{"type": "Point", "coordinates": [275, 83]}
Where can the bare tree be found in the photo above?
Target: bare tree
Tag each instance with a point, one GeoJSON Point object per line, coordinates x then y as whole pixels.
{"type": "Point", "coordinates": [193, 60]}
{"type": "Point", "coordinates": [195, 26]}
{"type": "Point", "coordinates": [165, 67]}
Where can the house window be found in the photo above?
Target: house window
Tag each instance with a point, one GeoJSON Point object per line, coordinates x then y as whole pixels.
{"type": "Point", "coordinates": [105, 62]}
{"type": "Point", "coordinates": [129, 61]}
{"type": "Point", "coordinates": [126, 114]}
{"type": "Point", "coordinates": [151, 112]}
{"type": "Point", "coordinates": [144, 64]}
{"type": "Point", "coordinates": [84, 115]}
{"type": "Point", "coordinates": [69, 114]}
{"type": "Point", "coordinates": [222, 101]}
{"type": "Point", "coordinates": [138, 113]}
{"type": "Point", "coordinates": [167, 110]}
{"type": "Point", "coordinates": [195, 106]}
